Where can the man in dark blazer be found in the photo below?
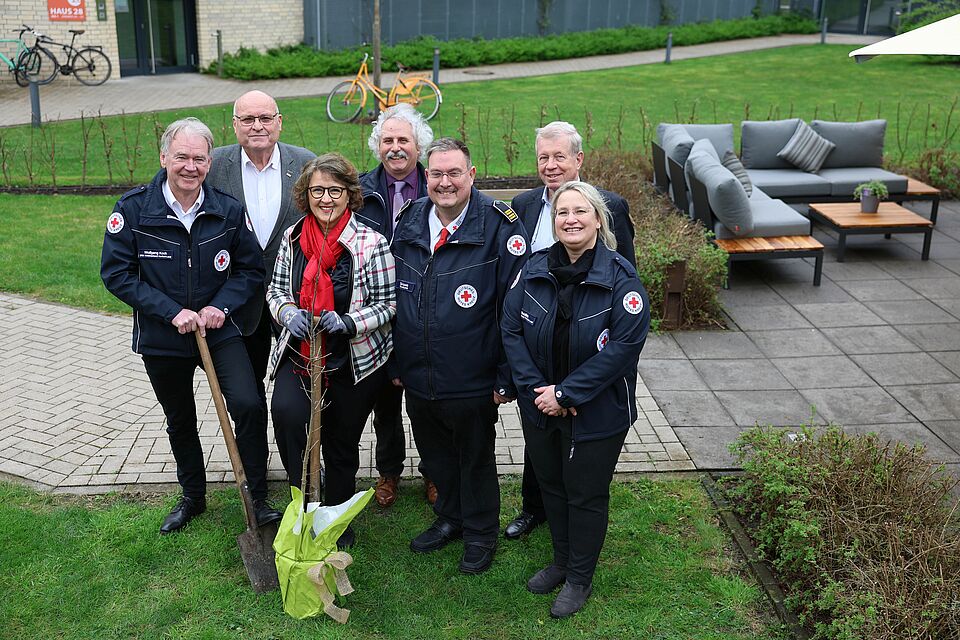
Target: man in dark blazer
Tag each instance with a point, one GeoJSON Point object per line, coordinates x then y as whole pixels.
{"type": "Point", "coordinates": [559, 158]}
{"type": "Point", "coordinates": [399, 139]}
{"type": "Point", "coordinates": [260, 171]}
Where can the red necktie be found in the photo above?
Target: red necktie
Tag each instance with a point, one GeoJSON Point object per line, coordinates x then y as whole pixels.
{"type": "Point", "coordinates": [444, 234]}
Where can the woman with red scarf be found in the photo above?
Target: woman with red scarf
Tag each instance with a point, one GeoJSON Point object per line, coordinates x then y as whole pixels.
{"type": "Point", "coordinates": [331, 268]}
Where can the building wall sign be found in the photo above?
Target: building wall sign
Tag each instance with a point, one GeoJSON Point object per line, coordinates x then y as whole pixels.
{"type": "Point", "coordinates": [67, 10]}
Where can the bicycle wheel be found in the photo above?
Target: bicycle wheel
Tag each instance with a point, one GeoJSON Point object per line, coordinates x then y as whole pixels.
{"type": "Point", "coordinates": [424, 96]}
{"type": "Point", "coordinates": [346, 101]}
{"type": "Point", "coordinates": [91, 66]}
{"type": "Point", "coordinates": [35, 64]}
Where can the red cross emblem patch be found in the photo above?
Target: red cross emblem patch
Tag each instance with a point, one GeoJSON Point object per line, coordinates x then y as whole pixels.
{"type": "Point", "coordinates": [222, 260]}
{"type": "Point", "coordinates": [465, 296]}
{"type": "Point", "coordinates": [517, 245]}
{"type": "Point", "coordinates": [603, 339]}
{"type": "Point", "coordinates": [633, 303]}
{"type": "Point", "coordinates": [115, 222]}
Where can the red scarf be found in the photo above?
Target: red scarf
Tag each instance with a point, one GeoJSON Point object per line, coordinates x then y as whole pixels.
{"type": "Point", "coordinates": [322, 252]}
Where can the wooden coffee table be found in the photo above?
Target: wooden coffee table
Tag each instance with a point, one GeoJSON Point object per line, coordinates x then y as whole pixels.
{"type": "Point", "coordinates": [845, 218]}
{"type": "Point", "coordinates": [917, 190]}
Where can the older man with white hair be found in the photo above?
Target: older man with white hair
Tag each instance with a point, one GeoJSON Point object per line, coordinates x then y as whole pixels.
{"type": "Point", "coordinates": [398, 140]}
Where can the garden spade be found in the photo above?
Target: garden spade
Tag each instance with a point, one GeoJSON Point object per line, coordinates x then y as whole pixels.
{"type": "Point", "coordinates": [256, 543]}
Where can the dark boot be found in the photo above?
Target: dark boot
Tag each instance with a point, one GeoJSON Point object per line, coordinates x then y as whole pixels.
{"type": "Point", "coordinates": [570, 600]}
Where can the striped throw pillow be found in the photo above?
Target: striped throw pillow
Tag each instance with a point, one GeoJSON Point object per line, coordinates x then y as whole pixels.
{"type": "Point", "coordinates": [733, 164]}
{"type": "Point", "coordinates": [807, 149]}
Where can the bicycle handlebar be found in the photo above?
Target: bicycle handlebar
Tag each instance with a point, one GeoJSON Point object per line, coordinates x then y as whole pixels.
{"type": "Point", "coordinates": [366, 56]}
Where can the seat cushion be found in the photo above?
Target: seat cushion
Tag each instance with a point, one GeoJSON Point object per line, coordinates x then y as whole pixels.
{"type": "Point", "coordinates": [782, 183]}
{"type": "Point", "coordinates": [844, 181]}
{"type": "Point", "coordinates": [859, 144]}
{"type": "Point", "coordinates": [676, 143]}
{"type": "Point", "coordinates": [721, 135]}
{"type": "Point", "coordinates": [806, 149]}
{"type": "Point", "coordinates": [770, 218]}
{"type": "Point", "coordinates": [726, 195]}
{"type": "Point", "coordinates": [760, 140]}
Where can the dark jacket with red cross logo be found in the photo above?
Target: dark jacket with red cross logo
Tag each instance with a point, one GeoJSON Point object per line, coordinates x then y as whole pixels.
{"type": "Point", "coordinates": [153, 264]}
{"type": "Point", "coordinates": [608, 327]}
{"type": "Point", "coordinates": [446, 333]}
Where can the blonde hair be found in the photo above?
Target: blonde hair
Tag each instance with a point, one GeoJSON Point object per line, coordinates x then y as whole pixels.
{"type": "Point", "coordinates": [593, 197]}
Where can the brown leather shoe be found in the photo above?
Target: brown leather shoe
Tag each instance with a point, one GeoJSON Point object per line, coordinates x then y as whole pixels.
{"type": "Point", "coordinates": [386, 490]}
{"type": "Point", "coordinates": [430, 490]}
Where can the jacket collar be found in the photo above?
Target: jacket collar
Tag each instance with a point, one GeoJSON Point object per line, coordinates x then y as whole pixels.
{"type": "Point", "coordinates": [601, 274]}
{"type": "Point", "coordinates": [416, 227]}
{"type": "Point", "coordinates": [156, 204]}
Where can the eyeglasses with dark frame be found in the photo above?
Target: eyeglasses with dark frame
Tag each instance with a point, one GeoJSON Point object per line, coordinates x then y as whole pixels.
{"type": "Point", "coordinates": [454, 174]}
{"type": "Point", "coordinates": [265, 119]}
{"type": "Point", "coordinates": [333, 192]}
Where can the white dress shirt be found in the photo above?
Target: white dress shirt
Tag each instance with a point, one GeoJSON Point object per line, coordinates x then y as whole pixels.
{"type": "Point", "coordinates": [436, 224]}
{"type": "Point", "coordinates": [543, 232]}
{"type": "Point", "coordinates": [262, 189]}
{"type": "Point", "coordinates": [186, 217]}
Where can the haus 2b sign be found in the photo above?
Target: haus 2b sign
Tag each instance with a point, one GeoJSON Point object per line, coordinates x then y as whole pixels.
{"type": "Point", "coordinates": [67, 10]}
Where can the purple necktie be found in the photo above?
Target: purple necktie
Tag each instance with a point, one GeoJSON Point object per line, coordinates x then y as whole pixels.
{"type": "Point", "coordinates": [398, 200]}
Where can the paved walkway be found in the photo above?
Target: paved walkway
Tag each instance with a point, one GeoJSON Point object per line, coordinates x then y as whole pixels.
{"type": "Point", "coordinates": [65, 98]}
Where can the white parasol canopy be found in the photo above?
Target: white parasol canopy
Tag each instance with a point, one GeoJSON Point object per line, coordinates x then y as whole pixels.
{"type": "Point", "coordinates": [941, 38]}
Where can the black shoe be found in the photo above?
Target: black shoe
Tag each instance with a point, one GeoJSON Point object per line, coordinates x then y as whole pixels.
{"type": "Point", "coordinates": [521, 525]}
{"type": "Point", "coordinates": [347, 539]}
{"type": "Point", "coordinates": [185, 510]}
{"type": "Point", "coordinates": [546, 580]}
{"type": "Point", "coordinates": [437, 536]}
{"type": "Point", "coordinates": [570, 599]}
{"type": "Point", "coordinates": [265, 513]}
{"type": "Point", "coordinates": [477, 557]}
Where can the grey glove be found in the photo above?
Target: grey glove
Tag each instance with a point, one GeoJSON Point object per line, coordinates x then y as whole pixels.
{"type": "Point", "coordinates": [296, 322]}
{"type": "Point", "coordinates": [331, 322]}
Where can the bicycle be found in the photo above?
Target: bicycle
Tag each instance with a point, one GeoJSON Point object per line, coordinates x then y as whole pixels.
{"type": "Point", "coordinates": [31, 63]}
{"type": "Point", "coordinates": [90, 65]}
{"type": "Point", "coordinates": [348, 98]}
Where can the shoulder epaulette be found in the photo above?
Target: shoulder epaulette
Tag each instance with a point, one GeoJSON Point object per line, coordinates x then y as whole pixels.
{"type": "Point", "coordinates": [505, 209]}
{"type": "Point", "coordinates": [132, 192]}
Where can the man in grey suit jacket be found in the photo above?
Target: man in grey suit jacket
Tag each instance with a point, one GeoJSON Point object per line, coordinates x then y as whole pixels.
{"type": "Point", "coordinates": [260, 171]}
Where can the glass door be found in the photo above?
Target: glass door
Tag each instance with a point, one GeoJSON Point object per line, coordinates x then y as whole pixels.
{"type": "Point", "coordinates": [156, 36]}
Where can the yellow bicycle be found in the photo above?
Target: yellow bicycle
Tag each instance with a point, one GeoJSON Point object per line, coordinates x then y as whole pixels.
{"type": "Point", "coordinates": [348, 98]}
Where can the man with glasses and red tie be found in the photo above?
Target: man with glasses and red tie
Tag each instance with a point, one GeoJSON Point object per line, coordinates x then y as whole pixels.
{"type": "Point", "coordinates": [260, 171]}
{"type": "Point", "coordinates": [457, 253]}
{"type": "Point", "coordinates": [398, 140]}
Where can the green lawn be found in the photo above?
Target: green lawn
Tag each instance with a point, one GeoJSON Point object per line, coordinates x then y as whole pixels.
{"type": "Point", "coordinates": [97, 568]}
{"type": "Point", "coordinates": [619, 106]}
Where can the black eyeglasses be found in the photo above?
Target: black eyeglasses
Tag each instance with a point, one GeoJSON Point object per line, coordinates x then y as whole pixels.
{"type": "Point", "coordinates": [333, 192]}
{"type": "Point", "coordinates": [265, 119]}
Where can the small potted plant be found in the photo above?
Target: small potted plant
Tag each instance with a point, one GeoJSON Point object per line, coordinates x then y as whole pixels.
{"type": "Point", "coordinates": [870, 194]}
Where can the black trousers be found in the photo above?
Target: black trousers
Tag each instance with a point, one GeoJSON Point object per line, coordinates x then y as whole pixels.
{"type": "Point", "coordinates": [456, 441]}
{"type": "Point", "coordinates": [530, 489]}
{"type": "Point", "coordinates": [576, 493]}
{"type": "Point", "coordinates": [258, 346]}
{"type": "Point", "coordinates": [342, 419]}
{"type": "Point", "coordinates": [172, 380]}
{"type": "Point", "coordinates": [391, 448]}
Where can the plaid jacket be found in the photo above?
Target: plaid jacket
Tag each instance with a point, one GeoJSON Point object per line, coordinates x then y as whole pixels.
{"type": "Point", "coordinates": [373, 302]}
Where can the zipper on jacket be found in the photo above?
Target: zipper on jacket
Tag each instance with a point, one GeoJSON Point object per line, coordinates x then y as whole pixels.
{"type": "Point", "coordinates": [425, 289]}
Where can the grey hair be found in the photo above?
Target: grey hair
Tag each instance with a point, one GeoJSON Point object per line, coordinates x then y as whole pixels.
{"type": "Point", "coordinates": [422, 132]}
{"type": "Point", "coordinates": [185, 125]}
{"type": "Point", "coordinates": [561, 129]}
{"type": "Point", "coordinates": [593, 197]}
{"type": "Point", "coordinates": [440, 145]}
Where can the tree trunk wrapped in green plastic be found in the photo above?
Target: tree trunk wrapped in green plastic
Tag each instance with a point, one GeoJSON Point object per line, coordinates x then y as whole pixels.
{"type": "Point", "coordinates": [311, 570]}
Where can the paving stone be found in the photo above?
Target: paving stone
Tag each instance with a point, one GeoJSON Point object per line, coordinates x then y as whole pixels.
{"type": "Point", "coordinates": [931, 401]}
{"type": "Point", "coordinates": [902, 312]}
{"type": "Point", "coordinates": [795, 293]}
{"type": "Point", "coordinates": [904, 368]}
{"type": "Point", "coordinates": [878, 339]}
{"type": "Point", "coordinates": [692, 408]}
{"type": "Point", "coordinates": [777, 408]}
{"type": "Point", "coordinates": [660, 347]}
{"type": "Point", "coordinates": [670, 375]}
{"type": "Point", "coordinates": [934, 337]}
{"type": "Point", "coordinates": [937, 288]}
{"type": "Point", "coordinates": [911, 433]}
{"type": "Point", "coordinates": [911, 269]}
{"type": "Point", "coordinates": [756, 318]}
{"type": "Point", "coordinates": [857, 405]}
{"type": "Point", "coordinates": [701, 345]}
{"type": "Point", "coordinates": [949, 359]}
{"type": "Point", "coordinates": [950, 306]}
{"type": "Point", "coordinates": [793, 343]}
{"type": "Point", "coordinates": [839, 314]}
{"type": "Point", "coordinates": [819, 372]}
{"type": "Point", "coordinates": [740, 375]}
{"type": "Point", "coordinates": [843, 272]}
{"type": "Point", "coordinates": [708, 446]}
{"type": "Point", "coordinates": [948, 431]}
{"type": "Point", "coordinates": [750, 295]}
